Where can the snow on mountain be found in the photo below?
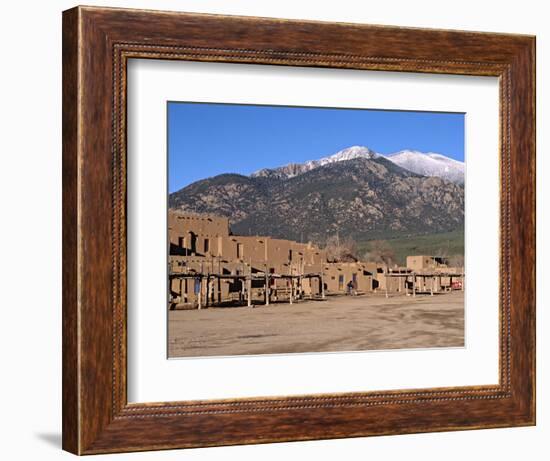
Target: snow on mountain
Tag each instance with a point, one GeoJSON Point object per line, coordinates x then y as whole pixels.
{"type": "Point", "coordinates": [425, 164]}
{"type": "Point", "coordinates": [346, 154]}
{"type": "Point", "coordinates": [295, 169]}
{"type": "Point", "coordinates": [429, 164]}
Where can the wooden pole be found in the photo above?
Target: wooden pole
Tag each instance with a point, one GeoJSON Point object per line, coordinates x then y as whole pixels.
{"type": "Point", "coordinates": [207, 302]}
{"type": "Point", "coordinates": [414, 285]}
{"type": "Point", "coordinates": [241, 294]}
{"type": "Point", "coordinates": [322, 284]}
{"type": "Point", "coordinates": [386, 276]}
{"type": "Point", "coordinates": [249, 288]}
{"type": "Point", "coordinates": [200, 292]}
{"type": "Point", "coordinates": [291, 289]}
{"type": "Point", "coordinates": [219, 282]}
{"type": "Point", "coordinates": [266, 288]}
{"type": "Point", "coordinates": [432, 286]}
{"type": "Point", "coordinates": [301, 277]}
{"type": "Point", "coordinates": [291, 282]}
{"type": "Point", "coordinates": [242, 282]}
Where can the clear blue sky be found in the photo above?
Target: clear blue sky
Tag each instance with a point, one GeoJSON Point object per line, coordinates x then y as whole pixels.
{"type": "Point", "coordinates": [205, 140]}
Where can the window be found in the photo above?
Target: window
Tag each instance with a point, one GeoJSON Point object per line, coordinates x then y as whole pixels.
{"type": "Point", "coordinates": [240, 250]}
{"type": "Point", "coordinates": [206, 245]}
{"type": "Point", "coordinates": [193, 242]}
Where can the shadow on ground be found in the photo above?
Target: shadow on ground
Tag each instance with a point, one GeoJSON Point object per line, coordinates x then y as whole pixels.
{"type": "Point", "coordinates": [51, 438]}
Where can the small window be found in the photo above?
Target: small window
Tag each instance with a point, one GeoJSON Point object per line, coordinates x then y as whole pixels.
{"type": "Point", "coordinates": [206, 245]}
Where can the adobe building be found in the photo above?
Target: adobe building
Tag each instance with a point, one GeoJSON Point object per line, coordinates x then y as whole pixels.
{"type": "Point", "coordinates": [393, 280]}
{"type": "Point", "coordinates": [338, 277]}
{"type": "Point", "coordinates": [196, 235]}
{"type": "Point", "coordinates": [433, 274]}
{"type": "Point", "coordinates": [418, 263]}
{"type": "Point", "coordinates": [209, 266]}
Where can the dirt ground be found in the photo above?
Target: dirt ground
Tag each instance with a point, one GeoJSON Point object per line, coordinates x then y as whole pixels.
{"type": "Point", "coordinates": [338, 324]}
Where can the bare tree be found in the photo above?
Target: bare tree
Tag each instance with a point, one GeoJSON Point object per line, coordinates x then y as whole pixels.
{"type": "Point", "coordinates": [456, 260]}
{"type": "Point", "coordinates": [341, 250]}
{"type": "Point", "coordinates": [380, 251]}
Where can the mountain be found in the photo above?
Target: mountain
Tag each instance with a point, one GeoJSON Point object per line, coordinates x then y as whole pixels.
{"type": "Point", "coordinates": [425, 164]}
{"type": "Point", "coordinates": [430, 164]}
{"type": "Point", "coordinates": [365, 196]}
{"type": "Point", "coordinates": [295, 169]}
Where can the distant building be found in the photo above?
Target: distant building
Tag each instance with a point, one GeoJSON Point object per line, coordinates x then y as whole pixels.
{"type": "Point", "coordinates": [426, 262]}
{"type": "Point", "coordinates": [433, 274]}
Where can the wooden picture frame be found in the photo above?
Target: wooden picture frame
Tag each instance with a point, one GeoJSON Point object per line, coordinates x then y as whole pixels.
{"type": "Point", "coordinates": [97, 43]}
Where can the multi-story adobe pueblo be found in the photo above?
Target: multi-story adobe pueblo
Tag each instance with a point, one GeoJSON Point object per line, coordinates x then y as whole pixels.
{"type": "Point", "coordinates": [209, 266]}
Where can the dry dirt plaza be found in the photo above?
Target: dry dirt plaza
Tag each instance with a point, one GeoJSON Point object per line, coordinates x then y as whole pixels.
{"type": "Point", "coordinates": [340, 323]}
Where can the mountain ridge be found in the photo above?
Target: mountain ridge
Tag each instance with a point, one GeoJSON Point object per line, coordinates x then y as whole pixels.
{"type": "Point", "coordinates": [430, 164]}
{"type": "Point", "coordinates": [363, 197]}
{"type": "Point", "coordinates": [426, 164]}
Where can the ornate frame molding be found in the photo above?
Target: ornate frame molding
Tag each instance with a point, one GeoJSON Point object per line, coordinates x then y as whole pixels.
{"type": "Point", "coordinates": [97, 44]}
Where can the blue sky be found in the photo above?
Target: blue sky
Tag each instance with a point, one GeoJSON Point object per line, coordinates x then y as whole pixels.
{"type": "Point", "coordinates": [205, 140]}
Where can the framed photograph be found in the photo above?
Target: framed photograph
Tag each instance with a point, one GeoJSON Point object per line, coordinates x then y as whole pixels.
{"type": "Point", "coordinates": [282, 230]}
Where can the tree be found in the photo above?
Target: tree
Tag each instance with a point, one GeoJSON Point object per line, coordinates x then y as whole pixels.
{"type": "Point", "coordinates": [341, 250]}
{"type": "Point", "coordinates": [380, 251]}
{"type": "Point", "coordinates": [456, 261]}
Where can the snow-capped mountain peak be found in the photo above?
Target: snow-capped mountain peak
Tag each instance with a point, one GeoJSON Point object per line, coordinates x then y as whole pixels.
{"type": "Point", "coordinates": [349, 154]}
{"type": "Point", "coordinates": [425, 164]}
{"type": "Point", "coordinates": [429, 164]}
{"type": "Point", "coordinates": [295, 169]}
